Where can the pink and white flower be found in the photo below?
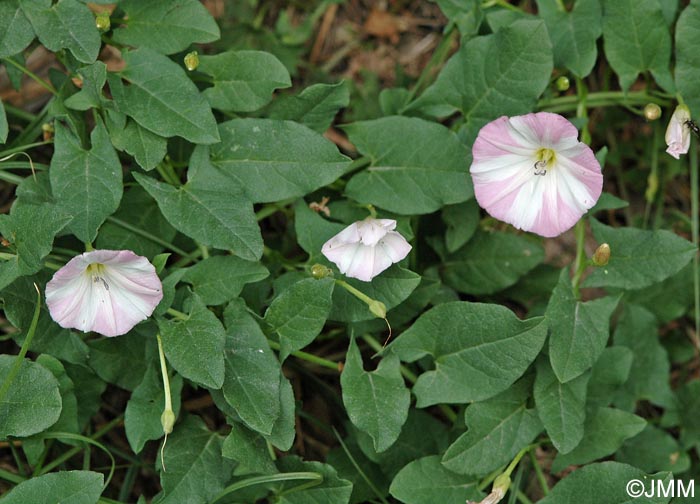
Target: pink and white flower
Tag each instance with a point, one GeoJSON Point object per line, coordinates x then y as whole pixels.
{"type": "Point", "coordinates": [532, 172]}
{"type": "Point", "coordinates": [678, 132]}
{"type": "Point", "coordinates": [106, 291]}
{"type": "Point", "coordinates": [366, 248]}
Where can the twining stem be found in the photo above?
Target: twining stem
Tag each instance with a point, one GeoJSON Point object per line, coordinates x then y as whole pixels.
{"type": "Point", "coordinates": [320, 361]}
{"type": "Point", "coordinates": [581, 261]}
{"type": "Point", "coordinates": [31, 74]}
{"type": "Point", "coordinates": [22, 148]}
{"type": "Point", "coordinates": [696, 230]}
{"type": "Point", "coordinates": [316, 478]}
{"type": "Point", "coordinates": [538, 472]}
{"type": "Point", "coordinates": [148, 236]}
{"type": "Point", "coordinates": [600, 99]}
{"type": "Point", "coordinates": [17, 364]}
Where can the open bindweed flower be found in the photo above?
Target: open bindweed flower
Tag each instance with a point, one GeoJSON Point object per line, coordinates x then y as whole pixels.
{"type": "Point", "coordinates": [106, 291]}
{"type": "Point", "coordinates": [366, 248]}
{"type": "Point", "coordinates": [532, 172]}
{"type": "Point", "coordinates": [678, 132]}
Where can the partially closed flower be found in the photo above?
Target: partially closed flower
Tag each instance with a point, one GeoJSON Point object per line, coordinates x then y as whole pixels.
{"type": "Point", "coordinates": [678, 132]}
{"type": "Point", "coordinates": [366, 248]}
{"type": "Point", "coordinates": [532, 172]}
{"type": "Point", "coordinates": [106, 291]}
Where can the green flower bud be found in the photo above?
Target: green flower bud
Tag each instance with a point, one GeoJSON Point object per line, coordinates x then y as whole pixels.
{"type": "Point", "coordinates": [102, 21]}
{"type": "Point", "coordinates": [167, 420]}
{"type": "Point", "coordinates": [602, 255]}
{"type": "Point", "coordinates": [319, 271]}
{"type": "Point", "coordinates": [377, 308]}
{"type": "Point", "coordinates": [652, 111]}
{"type": "Point", "coordinates": [192, 61]}
{"type": "Point", "coordinates": [562, 83]}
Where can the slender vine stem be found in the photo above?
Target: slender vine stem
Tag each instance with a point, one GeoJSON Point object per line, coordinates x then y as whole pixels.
{"type": "Point", "coordinates": [45, 84]}
{"type": "Point", "coordinates": [148, 236]}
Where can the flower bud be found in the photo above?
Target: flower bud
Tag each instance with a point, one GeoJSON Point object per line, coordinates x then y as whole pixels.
{"type": "Point", "coordinates": [319, 271]}
{"type": "Point", "coordinates": [102, 21]}
{"type": "Point", "coordinates": [678, 132]}
{"type": "Point", "coordinates": [192, 61]}
{"type": "Point", "coordinates": [652, 111]}
{"type": "Point", "coordinates": [562, 83]}
{"type": "Point", "coordinates": [498, 490]}
{"type": "Point", "coordinates": [48, 131]}
{"type": "Point", "coordinates": [167, 420]}
{"type": "Point", "coordinates": [77, 81]}
{"type": "Point", "coordinates": [377, 308]}
{"type": "Point", "coordinates": [602, 255]}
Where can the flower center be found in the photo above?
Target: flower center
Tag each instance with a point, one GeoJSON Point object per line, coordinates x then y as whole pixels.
{"type": "Point", "coordinates": [97, 271]}
{"type": "Point", "coordinates": [545, 159]}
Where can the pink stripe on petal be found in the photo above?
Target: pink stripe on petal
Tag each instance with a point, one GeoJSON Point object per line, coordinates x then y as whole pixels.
{"type": "Point", "coordinates": [546, 129]}
{"type": "Point", "coordinates": [496, 139]}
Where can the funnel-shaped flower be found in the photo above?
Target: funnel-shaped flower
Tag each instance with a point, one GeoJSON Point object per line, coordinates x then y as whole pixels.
{"type": "Point", "coordinates": [678, 132]}
{"type": "Point", "coordinates": [532, 172]}
{"type": "Point", "coordinates": [366, 248]}
{"type": "Point", "coordinates": [106, 291]}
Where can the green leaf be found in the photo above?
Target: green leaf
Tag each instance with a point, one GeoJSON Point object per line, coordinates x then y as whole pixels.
{"type": "Point", "coordinates": [649, 376]}
{"type": "Point", "coordinates": [490, 262]}
{"type": "Point", "coordinates": [30, 229]}
{"type": "Point", "coordinates": [377, 402]}
{"type": "Point", "coordinates": [312, 230]}
{"type": "Point", "coordinates": [636, 41]}
{"type": "Point", "coordinates": [147, 148]}
{"type": "Point", "coordinates": [67, 24]}
{"type": "Point", "coordinates": [87, 184]}
{"type": "Point", "coordinates": [654, 450]}
{"type": "Point", "coordinates": [68, 421]}
{"type": "Point", "coordinates": [604, 432]}
{"type": "Point", "coordinates": [497, 430]}
{"type": "Point", "coordinates": [609, 373]}
{"type": "Point", "coordinates": [347, 464]}
{"type": "Point", "coordinates": [166, 26]}
{"type": "Point", "coordinates": [432, 173]}
{"type": "Point", "coordinates": [421, 435]}
{"type": "Point", "coordinates": [462, 221]}
{"type": "Point", "coordinates": [573, 33]}
{"type": "Point", "coordinates": [196, 470]}
{"type": "Point", "coordinates": [688, 406]}
{"type": "Point", "coordinates": [605, 482]}
{"type": "Point", "coordinates": [315, 107]}
{"type": "Point", "coordinates": [638, 258]}
{"type": "Point", "coordinates": [195, 346]}
{"type": "Point", "coordinates": [493, 75]}
{"type": "Point", "coordinates": [299, 313]}
{"type": "Point", "coordinates": [561, 406]}
{"type": "Point", "coordinates": [16, 32]}
{"type": "Point", "coordinates": [219, 279]}
{"type": "Point", "coordinates": [252, 383]}
{"type": "Point", "coordinates": [76, 487]}
{"type": "Point", "coordinates": [608, 202]}
{"type": "Point", "coordinates": [243, 80]}
{"type": "Point", "coordinates": [479, 351]}
{"type": "Point", "coordinates": [333, 490]}
{"type": "Point", "coordinates": [275, 160]}
{"type": "Point", "coordinates": [90, 95]}
{"type": "Point", "coordinates": [655, 298]}
{"type": "Point", "coordinates": [32, 403]}
{"type": "Point", "coordinates": [466, 14]}
{"type": "Point", "coordinates": [4, 128]}
{"type": "Point", "coordinates": [124, 361]}
{"type": "Point", "coordinates": [143, 411]}
{"type": "Point", "coordinates": [138, 209]}
{"type": "Point", "coordinates": [249, 449]}
{"type": "Point", "coordinates": [161, 98]}
{"type": "Point", "coordinates": [687, 58]}
{"type": "Point", "coordinates": [209, 208]}
{"type": "Point", "coordinates": [579, 331]}
{"type": "Point", "coordinates": [392, 288]}
{"type": "Point", "coordinates": [426, 481]}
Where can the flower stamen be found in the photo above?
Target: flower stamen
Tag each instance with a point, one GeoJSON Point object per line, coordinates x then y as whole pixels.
{"type": "Point", "coordinates": [545, 158]}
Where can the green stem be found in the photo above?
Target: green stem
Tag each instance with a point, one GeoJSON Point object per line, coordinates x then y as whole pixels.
{"type": "Point", "coordinates": [359, 470]}
{"type": "Point", "coordinates": [600, 99]}
{"type": "Point", "coordinates": [22, 148]}
{"type": "Point", "coordinates": [148, 236]}
{"type": "Point", "coordinates": [272, 478]}
{"type": "Point", "coordinates": [31, 74]}
{"type": "Point", "coordinates": [164, 373]}
{"type": "Point", "coordinates": [580, 262]}
{"type": "Point", "coordinates": [514, 463]}
{"type": "Point", "coordinates": [522, 497]}
{"type": "Point", "coordinates": [320, 361]}
{"type": "Point", "coordinates": [694, 210]}
{"type": "Point", "coordinates": [18, 113]}
{"type": "Point", "coordinates": [437, 59]}
{"type": "Point", "coordinates": [540, 475]}
{"type": "Point", "coordinates": [177, 314]}
{"type": "Point", "coordinates": [11, 177]}
{"type": "Point", "coordinates": [17, 364]}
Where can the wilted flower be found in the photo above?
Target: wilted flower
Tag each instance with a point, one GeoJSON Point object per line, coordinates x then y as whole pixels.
{"type": "Point", "coordinates": [678, 132]}
{"type": "Point", "coordinates": [366, 248]}
{"type": "Point", "coordinates": [532, 172]}
{"type": "Point", "coordinates": [106, 291]}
